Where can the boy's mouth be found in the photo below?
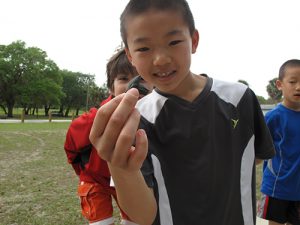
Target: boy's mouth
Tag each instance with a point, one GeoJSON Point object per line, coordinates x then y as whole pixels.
{"type": "Point", "coordinates": [164, 74]}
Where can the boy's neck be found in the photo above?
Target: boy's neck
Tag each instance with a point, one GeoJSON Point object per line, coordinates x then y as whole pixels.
{"type": "Point", "coordinates": [291, 106]}
{"type": "Point", "coordinates": [195, 84]}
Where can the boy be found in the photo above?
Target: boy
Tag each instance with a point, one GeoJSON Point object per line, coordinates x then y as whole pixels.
{"type": "Point", "coordinates": [193, 159]}
{"type": "Point", "coordinates": [94, 186]}
{"type": "Point", "coordinates": [281, 175]}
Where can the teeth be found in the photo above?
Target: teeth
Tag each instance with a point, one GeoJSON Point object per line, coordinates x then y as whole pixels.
{"type": "Point", "coordinates": [163, 74]}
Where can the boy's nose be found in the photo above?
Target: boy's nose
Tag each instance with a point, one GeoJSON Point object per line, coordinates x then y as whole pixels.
{"type": "Point", "coordinates": [161, 58]}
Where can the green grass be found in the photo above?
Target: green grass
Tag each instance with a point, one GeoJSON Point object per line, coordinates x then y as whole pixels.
{"type": "Point", "coordinates": [258, 180]}
{"type": "Point", "coordinates": [37, 185]}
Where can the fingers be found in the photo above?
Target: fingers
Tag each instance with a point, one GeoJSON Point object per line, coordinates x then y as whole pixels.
{"type": "Point", "coordinates": [102, 117]}
{"type": "Point", "coordinates": [126, 140]}
{"type": "Point", "coordinates": [111, 120]}
{"type": "Point", "coordinates": [139, 154]}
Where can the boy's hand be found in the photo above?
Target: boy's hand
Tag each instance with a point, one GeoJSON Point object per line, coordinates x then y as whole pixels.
{"type": "Point", "coordinates": [115, 129]}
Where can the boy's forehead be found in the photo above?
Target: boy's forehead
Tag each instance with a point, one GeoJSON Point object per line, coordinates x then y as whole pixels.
{"type": "Point", "coordinates": [140, 26]}
{"type": "Point", "coordinates": [155, 12]}
{"type": "Point", "coordinates": [292, 71]}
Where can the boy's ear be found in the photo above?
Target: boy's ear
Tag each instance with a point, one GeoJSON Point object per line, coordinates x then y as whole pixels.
{"type": "Point", "coordinates": [278, 84]}
{"type": "Point", "coordinates": [195, 41]}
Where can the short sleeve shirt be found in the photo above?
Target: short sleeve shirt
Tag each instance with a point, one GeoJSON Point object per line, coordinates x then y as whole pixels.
{"type": "Point", "coordinates": [201, 158]}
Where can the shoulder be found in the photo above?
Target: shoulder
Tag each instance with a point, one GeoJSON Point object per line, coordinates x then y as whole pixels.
{"type": "Point", "coordinates": [277, 115]}
{"type": "Point", "coordinates": [274, 113]}
{"type": "Point", "coordinates": [231, 92]}
{"type": "Point", "coordinates": [151, 105]}
{"type": "Point", "coordinates": [86, 119]}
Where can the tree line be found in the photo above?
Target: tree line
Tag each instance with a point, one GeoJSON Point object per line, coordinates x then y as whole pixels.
{"type": "Point", "coordinates": [30, 80]}
{"type": "Point", "coordinates": [275, 95]}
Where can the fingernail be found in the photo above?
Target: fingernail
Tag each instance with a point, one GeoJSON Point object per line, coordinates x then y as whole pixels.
{"type": "Point", "coordinates": [141, 132]}
{"type": "Point", "coordinates": [133, 91]}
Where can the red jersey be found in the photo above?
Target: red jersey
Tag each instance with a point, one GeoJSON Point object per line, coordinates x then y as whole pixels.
{"type": "Point", "coordinates": [106, 100]}
{"type": "Point", "coordinates": [78, 146]}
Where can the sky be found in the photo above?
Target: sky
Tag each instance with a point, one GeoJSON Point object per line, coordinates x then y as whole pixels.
{"type": "Point", "coordinates": [239, 39]}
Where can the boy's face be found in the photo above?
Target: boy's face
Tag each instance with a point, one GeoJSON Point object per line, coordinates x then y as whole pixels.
{"type": "Point", "coordinates": [290, 87]}
{"type": "Point", "coordinates": [120, 83]}
{"type": "Point", "coordinates": [160, 47]}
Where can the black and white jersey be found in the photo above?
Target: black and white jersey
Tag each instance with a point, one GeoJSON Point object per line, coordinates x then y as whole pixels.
{"type": "Point", "coordinates": [201, 159]}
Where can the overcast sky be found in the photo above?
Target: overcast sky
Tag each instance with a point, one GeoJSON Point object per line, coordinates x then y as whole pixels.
{"type": "Point", "coordinates": [239, 39]}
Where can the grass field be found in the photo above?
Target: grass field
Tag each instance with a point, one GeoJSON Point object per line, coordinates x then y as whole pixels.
{"type": "Point", "coordinates": [37, 186]}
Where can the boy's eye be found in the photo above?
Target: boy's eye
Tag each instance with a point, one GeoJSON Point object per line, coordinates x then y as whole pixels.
{"type": "Point", "coordinates": [175, 42]}
{"type": "Point", "coordinates": [123, 78]}
{"type": "Point", "coordinates": [144, 49]}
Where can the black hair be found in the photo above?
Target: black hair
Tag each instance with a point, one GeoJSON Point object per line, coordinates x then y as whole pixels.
{"type": "Point", "coordinates": [136, 7]}
{"type": "Point", "coordinates": [289, 63]}
{"type": "Point", "coordinates": [118, 64]}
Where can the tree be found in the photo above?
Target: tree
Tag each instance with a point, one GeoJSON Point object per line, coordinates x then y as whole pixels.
{"type": "Point", "coordinates": [12, 69]}
{"type": "Point", "coordinates": [81, 92]}
{"type": "Point", "coordinates": [261, 100]}
{"type": "Point", "coordinates": [72, 90]}
{"type": "Point", "coordinates": [97, 95]}
{"type": "Point", "coordinates": [78, 88]}
{"type": "Point", "coordinates": [3, 80]}
{"type": "Point", "coordinates": [273, 92]}
{"type": "Point", "coordinates": [44, 88]}
{"type": "Point", "coordinates": [24, 72]}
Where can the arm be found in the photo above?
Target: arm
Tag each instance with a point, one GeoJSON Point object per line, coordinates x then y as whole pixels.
{"type": "Point", "coordinates": [134, 196]}
{"type": "Point", "coordinates": [112, 134]}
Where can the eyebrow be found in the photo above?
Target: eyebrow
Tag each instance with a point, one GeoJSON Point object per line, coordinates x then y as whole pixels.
{"type": "Point", "coordinates": [293, 75]}
{"type": "Point", "coordinates": [169, 34]}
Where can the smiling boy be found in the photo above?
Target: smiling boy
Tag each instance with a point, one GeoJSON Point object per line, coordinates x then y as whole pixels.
{"type": "Point", "coordinates": [191, 164]}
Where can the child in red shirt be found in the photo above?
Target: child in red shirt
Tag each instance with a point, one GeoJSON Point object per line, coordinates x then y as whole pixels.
{"type": "Point", "coordinates": [94, 187]}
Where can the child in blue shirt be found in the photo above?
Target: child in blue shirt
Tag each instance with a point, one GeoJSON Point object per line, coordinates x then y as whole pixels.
{"type": "Point", "coordinates": [280, 202]}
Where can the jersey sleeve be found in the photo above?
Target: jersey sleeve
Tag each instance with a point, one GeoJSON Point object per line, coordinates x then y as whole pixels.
{"type": "Point", "coordinates": [264, 148]}
{"type": "Point", "coordinates": [77, 138]}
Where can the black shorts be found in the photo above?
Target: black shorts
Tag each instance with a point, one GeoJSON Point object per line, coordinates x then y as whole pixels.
{"type": "Point", "coordinates": [278, 210]}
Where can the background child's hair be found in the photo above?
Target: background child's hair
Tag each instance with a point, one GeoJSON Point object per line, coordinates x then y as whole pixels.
{"type": "Point", "coordinates": [135, 7]}
{"type": "Point", "coordinates": [118, 64]}
{"type": "Point", "coordinates": [289, 63]}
